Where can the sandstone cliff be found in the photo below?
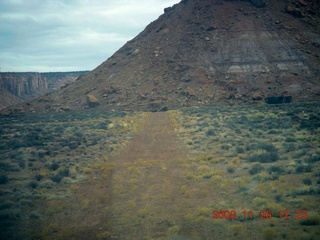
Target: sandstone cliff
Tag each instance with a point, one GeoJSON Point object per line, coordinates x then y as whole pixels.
{"type": "Point", "coordinates": [23, 84]}
{"type": "Point", "coordinates": [17, 87]}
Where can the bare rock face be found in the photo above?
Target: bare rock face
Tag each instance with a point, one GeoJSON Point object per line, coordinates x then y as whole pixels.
{"type": "Point", "coordinates": [17, 87]}
{"type": "Point", "coordinates": [23, 84]}
{"type": "Point", "coordinates": [92, 101]}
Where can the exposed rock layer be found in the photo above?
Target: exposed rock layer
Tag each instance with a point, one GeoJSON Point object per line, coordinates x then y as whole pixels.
{"type": "Point", "coordinates": [18, 87]}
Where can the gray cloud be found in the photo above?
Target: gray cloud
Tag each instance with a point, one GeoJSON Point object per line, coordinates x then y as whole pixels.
{"type": "Point", "coordinates": [66, 35]}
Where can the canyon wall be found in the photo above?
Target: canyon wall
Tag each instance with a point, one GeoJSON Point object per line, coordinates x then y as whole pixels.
{"type": "Point", "coordinates": [16, 87]}
{"type": "Point", "coordinates": [24, 84]}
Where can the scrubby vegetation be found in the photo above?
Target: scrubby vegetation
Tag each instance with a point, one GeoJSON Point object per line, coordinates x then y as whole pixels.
{"type": "Point", "coordinates": [263, 159]}
{"type": "Point", "coordinates": [43, 156]}
{"type": "Point", "coordinates": [274, 151]}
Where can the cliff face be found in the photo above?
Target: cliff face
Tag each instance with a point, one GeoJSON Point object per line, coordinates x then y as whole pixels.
{"type": "Point", "coordinates": [24, 84]}
{"type": "Point", "coordinates": [20, 87]}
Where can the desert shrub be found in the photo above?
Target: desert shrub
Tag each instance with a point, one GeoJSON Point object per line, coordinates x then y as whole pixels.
{"type": "Point", "coordinates": [9, 215]}
{"type": "Point", "coordinates": [53, 166]}
{"type": "Point", "coordinates": [272, 132]}
{"type": "Point", "coordinates": [240, 149]}
{"type": "Point", "coordinates": [290, 139]}
{"type": "Point", "coordinates": [278, 197]}
{"type": "Point", "coordinates": [65, 172]}
{"type": "Point", "coordinates": [225, 147]}
{"type": "Point", "coordinates": [4, 166]}
{"type": "Point", "coordinates": [34, 215]}
{"type": "Point", "coordinates": [312, 220]}
{"type": "Point", "coordinates": [32, 184]}
{"type": "Point", "coordinates": [300, 154]}
{"type": "Point", "coordinates": [275, 169]}
{"type": "Point", "coordinates": [47, 183]}
{"type": "Point", "coordinates": [305, 145]}
{"type": "Point", "coordinates": [3, 179]}
{"type": "Point", "coordinates": [38, 177]}
{"type": "Point", "coordinates": [306, 190]}
{"type": "Point", "coordinates": [263, 157]}
{"type": "Point", "coordinates": [312, 159]}
{"type": "Point", "coordinates": [303, 168]}
{"type": "Point", "coordinates": [307, 181]}
{"type": "Point", "coordinates": [289, 147]}
{"type": "Point", "coordinates": [56, 178]}
{"type": "Point", "coordinates": [6, 204]}
{"type": "Point", "coordinates": [60, 175]}
{"type": "Point", "coordinates": [210, 132]}
{"type": "Point", "coordinates": [256, 168]}
{"type": "Point", "coordinates": [230, 170]}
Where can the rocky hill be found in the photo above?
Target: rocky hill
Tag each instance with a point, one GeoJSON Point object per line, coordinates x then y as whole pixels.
{"type": "Point", "coordinates": [16, 87]}
{"type": "Point", "coordinates": [203, 52]}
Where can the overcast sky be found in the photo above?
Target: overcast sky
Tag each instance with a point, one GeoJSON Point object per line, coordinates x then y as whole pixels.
{"type": "Point", "coordinates": [69, 35]}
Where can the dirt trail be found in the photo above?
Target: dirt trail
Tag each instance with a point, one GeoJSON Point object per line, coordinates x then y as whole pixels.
{"type": "Point", "coordinates": [146, 182]}
{"type": "Point", "coordinates": [135, 196]}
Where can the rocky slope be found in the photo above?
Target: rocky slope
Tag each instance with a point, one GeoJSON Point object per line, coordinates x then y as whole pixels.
{"type": "Point", "coordinates": [202, 52]}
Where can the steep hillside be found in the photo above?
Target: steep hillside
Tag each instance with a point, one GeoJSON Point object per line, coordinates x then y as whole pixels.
{"type": "Point", "coordinates": [201, 52]}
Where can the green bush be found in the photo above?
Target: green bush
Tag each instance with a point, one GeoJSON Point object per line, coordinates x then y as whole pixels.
{"type": "Point", "coordinates": [256, 168]}
{"type": "Point", "coordinates": [56, 178]}
{"type": "Point", "coordinates": [264, 157]}
{"type": "Point", "coordinates": [210, 132]}
{"type": "Point", "coordinates": [32, 184]}
{"type": "Point", "coordinates": [53, 166]}
{"type": "Point", "coordinates": [239, 149]}
{"type": "Point", "coordinates": [38, 177]}
{"type": "Point", "coordinates": [312, 220]}
{"type": "Point", "coordinates": [3, 179]}
{"type": "Point", "coordinates": [303, 168]}
{"type": "Point", "coordinates": [60, 175]}
{"type": "Point", "coordinates": [312, 159]}
{"type": "Point", "coordinates": [275, 169]}
{"type": "Point", "coordinates": [307, 181]}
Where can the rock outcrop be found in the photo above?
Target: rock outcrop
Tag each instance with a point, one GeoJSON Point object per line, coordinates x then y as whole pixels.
{"type": "Point", "coordinates": [23, 84]}
{"type": "Point", "coordinates": [92, 101]}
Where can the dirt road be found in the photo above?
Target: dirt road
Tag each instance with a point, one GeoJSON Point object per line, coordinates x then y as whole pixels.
{"type": "Point", "coordinates": [146, 182]}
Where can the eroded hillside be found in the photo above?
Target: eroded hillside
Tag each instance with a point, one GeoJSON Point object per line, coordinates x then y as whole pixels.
{"type": "Point", "coordinates": [204, 52]}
